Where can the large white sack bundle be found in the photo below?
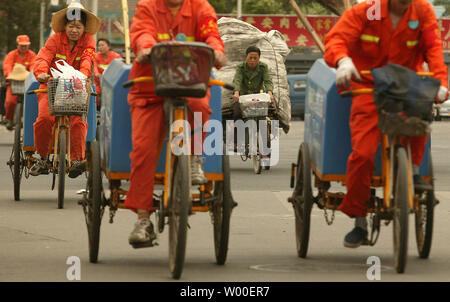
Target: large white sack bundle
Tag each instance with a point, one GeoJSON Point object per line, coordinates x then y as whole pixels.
{"type": "Point", "coordinates": [238, 36]}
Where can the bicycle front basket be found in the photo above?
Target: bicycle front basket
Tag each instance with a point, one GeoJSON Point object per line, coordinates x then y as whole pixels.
{"type": "Point", "coordinates": [254, 105]}
{"type": "Point", "coordinates": [68, 96]}
{"type": "Point", "coordinates": [17, 87]}
{"type": "Point", "coordinates": [181, 69]}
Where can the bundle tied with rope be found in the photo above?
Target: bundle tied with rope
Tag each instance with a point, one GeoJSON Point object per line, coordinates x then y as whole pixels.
{"type": "Point", "coordinates": [238, 36]}
{"type": "Point", "coordinates": [404, 100]}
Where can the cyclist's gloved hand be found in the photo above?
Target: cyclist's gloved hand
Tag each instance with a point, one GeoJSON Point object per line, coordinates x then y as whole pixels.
{"type": "Point", "coordinates": [236, 96]}
{"type": "Point", "coordinates": [43, 77]}
{"type": "Point", "coordinates": [144, 56]}
{"type": "Point", "coordinates": [346, 69]}
{"type": "Point", "coordinates": [442, 95]}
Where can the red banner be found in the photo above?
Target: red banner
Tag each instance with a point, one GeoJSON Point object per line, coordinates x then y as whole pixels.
{"type": "Point", "coordinates": [297, 35]}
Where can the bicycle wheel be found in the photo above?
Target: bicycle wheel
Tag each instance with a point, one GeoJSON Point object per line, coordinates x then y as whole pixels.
{"type": "Point", "coordinates": [257, 163]}
{"type": "Point", "coordinates": [424, 218]}
{"type": "Point", "coordinates": [400, 209]}
{"type": "Point", "coordinates": [94, 210]}
{"type": "Point", "coordinates": [61, 167]}
{"type": "Point", "coordinates": [269, 145]}
{"type": "Point", "coordinates": [17, 155]}
{"type": "Point", "coordinates": [302, 201]}
{"type": "Point", "coordinates": [221, 212]}
{"type": "Point", "coordinates": [178, 215]}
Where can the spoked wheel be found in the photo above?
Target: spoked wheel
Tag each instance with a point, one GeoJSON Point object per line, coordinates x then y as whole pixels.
{"type": "Point", "coordinates": [424, 217]}
{"type": "Point", "coordinates": [94, 207]}
{"type": "Point", "coordinates": [221, 212]}
{"type": "Point", "coordinates": [302, 200]}
{"type": "Point", "coordinates": [400, 209]}
{"type": "Point", "coordinates": [269, 145]}
{"type": "Point", "coordinates": [178, 215]}
{"type": "Point", "coordinates": [61, 167]}
{"type": "Point", "coordinates": [257, 163]}
{"type": "Point", "coordinates": [17, 154]}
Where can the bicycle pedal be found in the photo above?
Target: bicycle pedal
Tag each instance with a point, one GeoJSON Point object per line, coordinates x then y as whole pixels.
{"type": "Point", "coordinates": [144, 245]}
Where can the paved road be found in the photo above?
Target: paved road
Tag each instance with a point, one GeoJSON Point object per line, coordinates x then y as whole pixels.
{"type": "Point", "coordinates": [36, 238]}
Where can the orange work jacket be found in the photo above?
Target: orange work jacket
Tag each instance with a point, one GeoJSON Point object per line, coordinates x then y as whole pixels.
{"type": "Point", "coordinates": [100, 64]}
{"type": "Point", "coordinates": [57, 47]}
{"type": "Point", "coordinates": [153, 23]}
{"type": "Point", "coordinates": [374, 43]}
{"type": "Point", "coordinates": [14, 57]}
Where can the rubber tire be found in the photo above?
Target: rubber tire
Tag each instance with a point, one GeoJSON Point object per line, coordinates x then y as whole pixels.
{"type": "Point", "coordinates": [178, 215]}
{"type": "Point", "coordinates": [222, 208]}
{"type": "Point", "coordinates": [303, 192]}
{"type": "Point", "coordinates": [61, 167]}
{"type": "Point", "coordinates": [17, 150]}
{"type": "Point", "coordinates": [95, 198]}
{"type": "Point", "coordinates": [256, 163]}
{"type": "Point", "coordinates": [424, 234]}
{"type": "Point", "coordinates": [401, 212]}
{"type": "Point", "coordinates": [269, 144]}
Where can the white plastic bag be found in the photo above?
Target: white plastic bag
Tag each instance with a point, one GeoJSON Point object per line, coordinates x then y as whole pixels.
{"type": "Point", "coordinates": [68, 72]}
{"type": "Point", "coordinates": [56, 73]}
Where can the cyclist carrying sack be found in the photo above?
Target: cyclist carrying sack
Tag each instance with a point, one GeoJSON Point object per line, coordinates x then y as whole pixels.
{"type": "Point", "coordinates": [404, 100]}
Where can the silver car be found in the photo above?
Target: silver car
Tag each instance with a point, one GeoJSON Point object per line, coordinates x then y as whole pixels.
{"type": "Point", "coordinates": [442, 111]}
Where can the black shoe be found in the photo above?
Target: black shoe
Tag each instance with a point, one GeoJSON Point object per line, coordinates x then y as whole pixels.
{"type": "Point", "coordinates": [77, 168]}
{"type": "Point", "coordinates": [355, 238]}
{"type": "Point", "coordinates": [40, 167]}
{"type": "Point", "coordinates": [10, 125]}
{"type": "Point", "coordinates": [420, 184]}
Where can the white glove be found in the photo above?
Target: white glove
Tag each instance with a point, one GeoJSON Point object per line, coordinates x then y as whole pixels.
{"type": "Point", "coordinates": [345, 70]}
{"type": "Point", "coordinates": [442, 94]}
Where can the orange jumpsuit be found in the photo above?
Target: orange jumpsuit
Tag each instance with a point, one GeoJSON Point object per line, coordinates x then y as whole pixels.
{"type": "Point", "coordinates": [8, 64]}
{"type": "Point", "coordinates": [100, 64]}
{"type": "Point", "coordinates": [152, 23]}
{"type": "Point", "coordinates": [81, 58]}
{"type": "Point", "coordinates": [371, 44]}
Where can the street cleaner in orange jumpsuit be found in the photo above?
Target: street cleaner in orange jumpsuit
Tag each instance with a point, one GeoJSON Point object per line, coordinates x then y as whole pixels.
{"type": "Point", "coordinates": [74, 43]}
{"type": "Point", "coordinates": [103, 58]}
{"type": "Point", "coordinates": [405, 33]}
{"type": "Point", "coordinates": [22, 55]}
{"type": "Point", "coordinates": [156, 21]}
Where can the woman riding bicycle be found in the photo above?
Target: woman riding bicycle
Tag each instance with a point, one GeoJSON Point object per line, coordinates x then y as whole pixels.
{"type": "Point", "coordinates": [74, 43]}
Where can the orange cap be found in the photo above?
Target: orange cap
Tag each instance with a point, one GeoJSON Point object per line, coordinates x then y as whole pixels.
{"type": "Point", "coordinates": [23, 40]}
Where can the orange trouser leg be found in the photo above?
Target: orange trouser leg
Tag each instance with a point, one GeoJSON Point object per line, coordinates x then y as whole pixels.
{"type": "Point", "coordinates": [78, 133]}
{"type": "Point", "coordinates": [43, 126]}
{"type": "Point", "coordinates": [147, 124]}
{"type": "Point", "coordinates": [201, 106]}
{"type": "Point", "coordinates": [148, 128]}
{"type": "Point", "coordinates": [10, 104]}
{"type": "Point", "coordinates": [418, 145]}
{"type": "Point", "coordinates": [361, 162]}
{"type": "Point", "coordinates": [98, 90]}
{"type": "Point", "coordinates": [43, 131]}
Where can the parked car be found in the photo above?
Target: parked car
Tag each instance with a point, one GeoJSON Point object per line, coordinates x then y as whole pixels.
{"type": "Point", "coordinates": [297, 91]}
{"type": "Point", "coordinates": [442, 111]}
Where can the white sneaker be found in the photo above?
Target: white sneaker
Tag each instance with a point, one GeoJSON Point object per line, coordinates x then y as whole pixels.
{"type": "Point", "coordinates": [143, 234]}
{"type": "Point", "coordinates": [197, 174]}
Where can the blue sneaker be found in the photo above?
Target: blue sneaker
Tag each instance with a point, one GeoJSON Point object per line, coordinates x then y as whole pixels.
{"type": "Point", "coordinates": [355, 238]}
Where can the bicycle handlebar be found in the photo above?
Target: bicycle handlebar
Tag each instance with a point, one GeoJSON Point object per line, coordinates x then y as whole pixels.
{"type": "Point", "coordinates": [349, 93]}
{"type": "Point", "coordinates": [45, 90]}
{"type": "Point", "coordinates": [212, 81]}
